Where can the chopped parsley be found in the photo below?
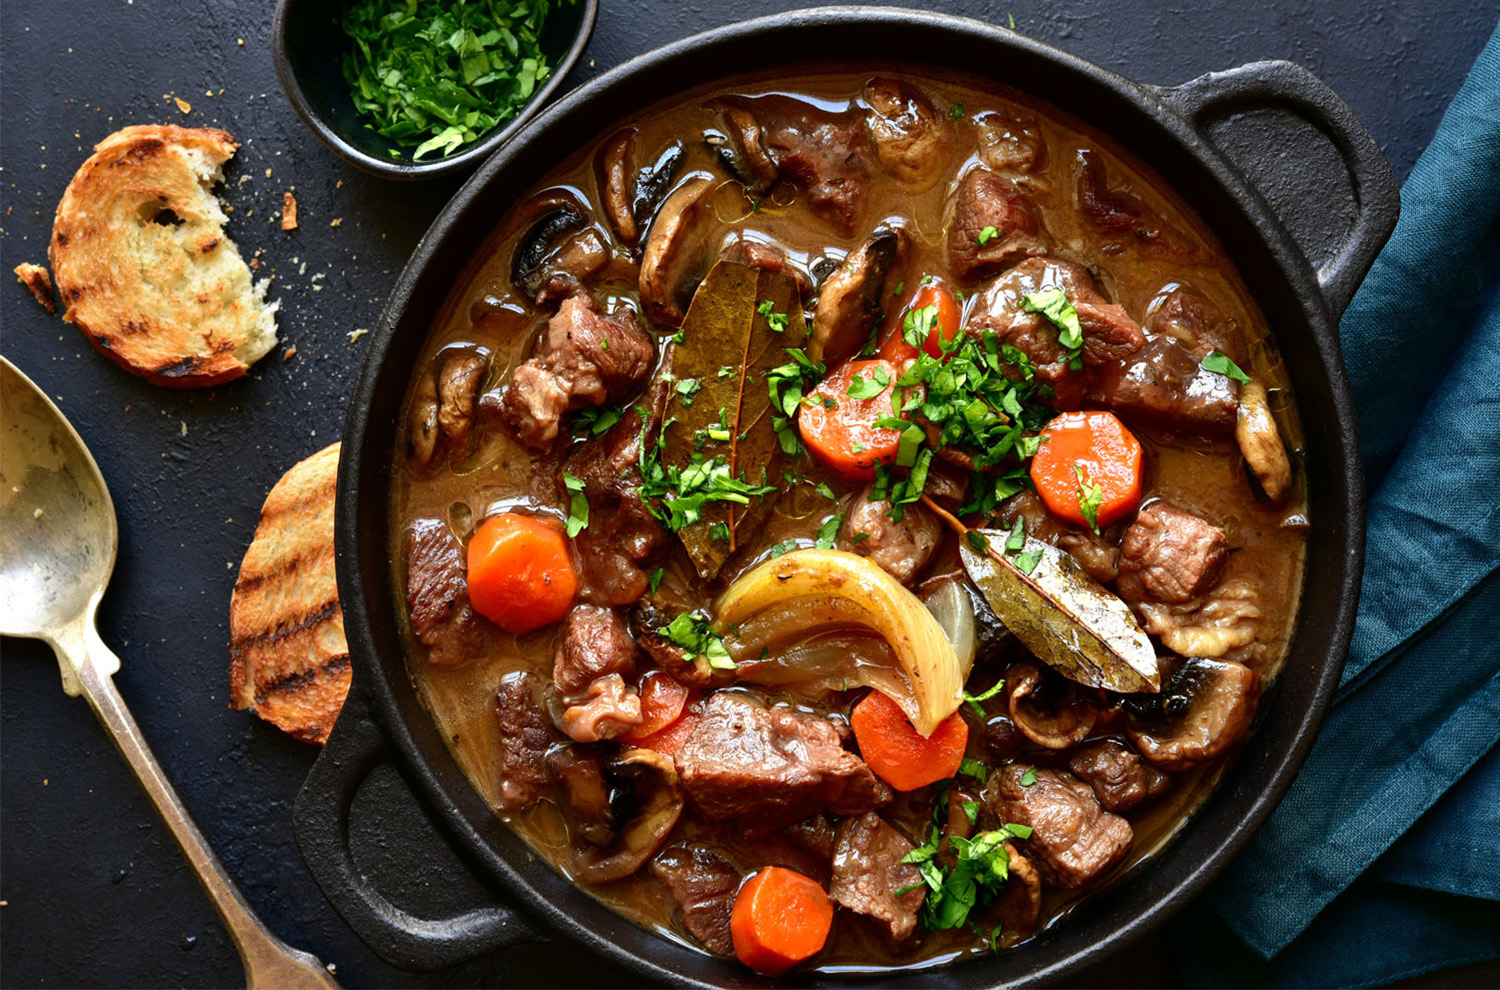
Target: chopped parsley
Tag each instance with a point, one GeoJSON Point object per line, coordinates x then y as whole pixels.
{"type": "Point", "coordinates": [1028, 777]}
{"type": "Point", "coordinates": [788, 384]}
{"type": "Point", "coordinates": [1220, 364]}
{"type": "Point", "coordinates": [594, 420]}
{"type": "Point", "coordinates": [957, 111]}
{"type": "Point", "coordinates": [975, 701]}
{"type": "Point", "coordinates": [776, 321]}
{"type": "Point", "coordinates": [439, 74]}
{"type": "Point", "coordinates": [1026, 562]}
{"type": "Point", "coordinates": [784, 547]}
{"type": "Point", "coordinates": [697, 638]}
{"type": "Point", "coordinates": [824, 490]}
{"type": "Point", "coordinates": [578, 505]}
{"type": "Point", "coordinates": [978, 541]}
{"type": "Point", "coordinates": [971, 767]}
{"type": "Point", "coordinates": [1090, 497]}
{"type": "Point", "coordinates": [828, 532]}
{"type": "Point", "coordinates": [677, 495]}
{"type": "Point", "coordinates": [1017, 538]}
{"type": "Point", "coordinates": [1053, 303]}
{"type": "Point", "coordinates": [980, 869]}
{"type": "Point", "coordinates": [655, 580]}
{"type": "Point", "coordinates": [687, 389]}
{"type": "Point", "coordinates": [719, 531]}
{"type": "Point", "coordinates": [985, 236]}
{"type": "Point", "coordinates": [861, 387]}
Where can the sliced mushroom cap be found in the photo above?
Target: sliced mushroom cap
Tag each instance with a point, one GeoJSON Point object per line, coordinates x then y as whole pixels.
{"type": "Point", "coordinates": [653, 183]}
{"type": "Point", "coordinates": [1260, 442]}
{"type": "Point", "coordinates": [744, 153]}
{"type": "Point", "coordinates": [1020, 903]}
{"type": "Point", "coordinates": [617, 183]}
{"type": "Point", "coordinates": [1049, 711]}
{"type": "Point", "coordinates": [586, 793]}
{"type": "Point", "coordinates": [677, 255]}
{"type": "Point", "coordinates": [907, 131]}
{"type": "Point", "coordinates": [422, 432]}
{"type": "Point", "coordinates": [656, 799]}
{"type": "Point", "coordinates": [1205, 708]}
{"type": "Point", "coordinates": [851, 298]}
{"type": "Point", "coordinates": [557, 215]}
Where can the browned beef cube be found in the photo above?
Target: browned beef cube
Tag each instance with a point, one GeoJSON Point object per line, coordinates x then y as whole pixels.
{"type": "Point", "coordinates": [1073, 840]}
{"type": "Point", "coordinates": [591, 642]}
{"type": "Point", "coordinates": [1165, 386]}
{"type": "Point", "coordinates": [1170, 556]}
{"type": "Point", "coordinates": [437, 595]}
{"type": "Point", "coordinates": [870, 879]}
{"type": "Point", "coordinates": [1120, 779]}
{"type": "Point", "coordinates": [703, 884]}
{"type": "Point", "coordinates": [520, 763]}
{"type": "Point", "coordinates": [764, 768]}
{"type": "Point", "coordinates": [991, 209]}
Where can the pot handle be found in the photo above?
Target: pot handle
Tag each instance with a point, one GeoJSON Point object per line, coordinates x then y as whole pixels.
{"type": "Point", "coordinates": [1236, 110]}
{"type": "Point", "coordinates": [320, 820]}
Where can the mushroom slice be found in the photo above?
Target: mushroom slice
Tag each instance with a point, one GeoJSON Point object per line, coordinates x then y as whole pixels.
{"type": "Point", "coordinates": [1205, 709]}
{"type": "Point", "coordinates": [422, 431]}
{"type": "Point", "coordinates": [558, 215]}
{"type": "Point", "coordinates": [907, 131]}
{"type": "Point", "coordinates": [1020, 904]}
{"type": "Point", "coordinates": [676, 255]}
{"type": "Point", "coordinates": [745, 152]}
{"type": "Point", "coordinates": [616, 182]}
{"type": "Point", "coordinates": [1049, 712]}
{"type": "Point", "coordinates": [1260, 442]}
{"type": "Point", "coordinates": [653, 183]}
{"type": "Point", "coordinates": [656, 796]}
{"type": "Point", "coordinates": [850, 301]}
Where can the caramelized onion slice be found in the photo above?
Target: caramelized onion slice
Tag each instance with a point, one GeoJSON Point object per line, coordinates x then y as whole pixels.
{"type": "Point", "coordinates": [833, 587]}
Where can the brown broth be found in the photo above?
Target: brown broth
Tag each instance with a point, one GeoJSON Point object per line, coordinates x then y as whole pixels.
{"type": "Point", "coordinates": [1203, 477]}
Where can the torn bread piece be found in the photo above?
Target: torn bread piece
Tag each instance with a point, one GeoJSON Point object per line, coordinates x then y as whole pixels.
{"type": "Point", "coordinates": [289, 661]}
{"type": "Point", "coordinates": [144, 267]}
{"type": "Point", "coordinates": [35, 278]}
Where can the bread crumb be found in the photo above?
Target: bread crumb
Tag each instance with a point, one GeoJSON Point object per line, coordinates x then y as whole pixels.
{"type": "Point", "coordinates": [268, 173]}
{"type": "Point", "coordinates": [182, 104]}
{"type": "Point", "coordinates": [37, 514]}
{"type": "Point", "coordinates": [184, 427]}
{"type": "Point", "coordinates": [336, 222]}
{"type": "Point", "coordinates": [35, 278]}
{"type": "Point", "coordinates": [240, 42]}
{"type": "Point", "coordinates": [289, 353]}
{"type": "Point", "coordinates": [288, 209]}
{"type": "Point", "coordinates": [356, 334]}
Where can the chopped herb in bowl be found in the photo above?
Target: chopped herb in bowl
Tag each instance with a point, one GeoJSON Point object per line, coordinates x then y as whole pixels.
{"type": "Point", "coordinates": [436, 75]}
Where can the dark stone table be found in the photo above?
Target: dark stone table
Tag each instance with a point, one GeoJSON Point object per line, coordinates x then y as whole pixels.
{"type": "Point", "coordinates": [92, 890]}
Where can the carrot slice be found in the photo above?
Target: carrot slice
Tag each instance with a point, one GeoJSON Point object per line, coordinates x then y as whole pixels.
{"type": "Point", "coordinates": [840, 429]}
{"type": "Point", "coordinates": [669, 740]}
{"type": "Point", "coordinates": [898, 753]}
{"type": "Point", "coordinates": [662, 699]}
{"type": "Point", "coordinates": [780, 918]}
{"type": "Point", "coordinates": [520, 575]}
{"type": "Point", "coordinates": [1089, 464]}
{"type": "Point", "coordinates": [933, 292]}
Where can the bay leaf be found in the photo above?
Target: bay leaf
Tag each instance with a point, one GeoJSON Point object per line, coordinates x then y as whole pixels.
{"type": "Point", "coordinates": [726, 347]}
{"type": "Point", "coordinates": [1059, 613]}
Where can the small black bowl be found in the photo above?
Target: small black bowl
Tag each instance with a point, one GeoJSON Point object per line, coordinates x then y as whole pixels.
{"type": "Point", "coordinates": [307, 47]}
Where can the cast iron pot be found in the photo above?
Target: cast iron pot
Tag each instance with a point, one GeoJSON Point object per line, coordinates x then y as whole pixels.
{"type": "Point", "coordinates": [1270, 158]}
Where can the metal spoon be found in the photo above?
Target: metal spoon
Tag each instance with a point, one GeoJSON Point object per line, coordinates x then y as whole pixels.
{"type": "Point", "coordinates": [57, 549]}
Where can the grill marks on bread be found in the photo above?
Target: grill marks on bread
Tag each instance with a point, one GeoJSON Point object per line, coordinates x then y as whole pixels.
{"type": "Point", "coordinates": [289, 662]}
{"type": "Point", "coordinates": [144, 268]}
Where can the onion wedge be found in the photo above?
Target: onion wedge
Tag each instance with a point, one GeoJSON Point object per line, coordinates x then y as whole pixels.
{"type": "Point", "coordinates": [859, 592]}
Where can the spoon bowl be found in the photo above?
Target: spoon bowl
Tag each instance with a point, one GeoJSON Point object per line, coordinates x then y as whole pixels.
{"type": "Point", "coordinates": [58, 539]}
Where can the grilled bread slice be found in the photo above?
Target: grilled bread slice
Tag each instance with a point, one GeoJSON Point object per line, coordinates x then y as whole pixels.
{"type": "Point", "coordinates": [289, 662]}
{"type": "Point", "coordinates": [144, 268]}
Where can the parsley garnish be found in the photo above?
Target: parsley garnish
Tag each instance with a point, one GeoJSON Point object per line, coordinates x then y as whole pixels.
{"type": "Point", "coordinates": [687, 389]}
{"type": "Point", "coordinates": [697, 638]}
{"type": "Point", "coordinates": [787, 384]}
{"type": "Point", "coordinates": [578, 505]}
{"type": "Point", "coordinates": [594, 420]}
{"type": "Point", "coordinates": [979, 872]}
{"type": "Point", "coordinates": [1220, 364]}
{"type": "Point", "coordinates": [719, 531]}
{"type": "Point", "coordinates": [828, 532]}
{"type": "Point", "coordinates": [785, 546]}
{"type": "Point", "coordinates": [957, 111]}
{"type": "Point", "coordinates": [776, 321]}
{"type": "Point", "coordinates": [655, 580]}
{"type": "Point", "coordinates": [1017, 538]}
{"type": "Point", "coordinates": [861, 387]}
{"type": "Point", "coordinates": [1090, 497]}
{"type": "Point", "coordinates": [985, 236]}
{"type": "Point", "coordinates": [971, 767]}
{"type": "Point", "coordinates": [1026, 562]}
{"type": "Point", "coordinates": [1053, 303]}
{"type": "Point", "coordinates": [1027, 779]}
{"type": "Point", "coordinates": [439, 74]}
{"type": "Point", "coordinates": [975, 700]}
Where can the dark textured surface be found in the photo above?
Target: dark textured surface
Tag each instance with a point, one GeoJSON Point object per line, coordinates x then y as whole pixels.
{"type": "Point", "coordinates": [93, 891]}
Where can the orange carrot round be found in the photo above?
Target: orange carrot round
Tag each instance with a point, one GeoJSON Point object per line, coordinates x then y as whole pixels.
{"type": "Point", "coordinates": [898, 753]}
{"type": "Point", "coordinates": [520, 575]}
{"type": "Point", "coordinates": [840, 429]}
{"type": "Point", "coordinates": [669, 740]}
{"type": "Point", "coordinates": [944, 328]}
{"type": "Point", "coordinates": [662, 700]}
{"type": "Point", "coordinates": [780, 919]}
{"type": "Point", "coordinates": [1088, 462]}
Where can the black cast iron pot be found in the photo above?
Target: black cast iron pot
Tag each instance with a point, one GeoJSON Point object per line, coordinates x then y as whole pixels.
{"type": "Point", "coordinates": [1271, 159]}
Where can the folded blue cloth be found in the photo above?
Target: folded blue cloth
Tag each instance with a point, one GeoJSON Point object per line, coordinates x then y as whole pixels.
{"type": "Point", "coordinates": [1384, 859]}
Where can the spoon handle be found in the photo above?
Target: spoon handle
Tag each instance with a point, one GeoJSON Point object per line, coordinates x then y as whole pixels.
{"type": "Point", "coordinates": [268, 961]}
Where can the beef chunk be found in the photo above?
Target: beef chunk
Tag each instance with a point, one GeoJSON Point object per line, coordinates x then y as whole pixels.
{"type": "Point", "coordinates": [703, 884]}
{"type": "Point", "coordinates": [767, 257]}
{"type": "Point", "coordinates": [520, 764]}
{"type": "Point", "coordinates": [867, 873]}
{"type": "Point", "coordinates": [909, 132]}
{"type": "Point", "coordinates": [591, 643]}
{"type": "Point", "coordinates": [1115, 771]}
{"type": "Point", "coordinates": [985, 200]}
{"type": "Point", "coordinates": [1073, 840]}
{"type": "Point", "coordinates": [1194, 321]}
{"type": "Point", "coordinates": [622, 534]}
{"type": "Point", "coordinates": [584, 358]}
{"type": "Point", "coordinates": [902, 548]}
{"type": "Point", "coordinates": [1169, 555]}
{"type": "Point", "coordinates": [1010, 141]}
{"type": "Point", "coordinates": [1164, 385]}
{"type": "Point", "coordinates": [437, 595]}
{"type": "Point", "coordinates": [815, 835]}
{"type": "Point", "coordinates": [1096, 555]}
{"type": "Point", "coordinates": [607, 709]}
{"type": "Point", "coordinates": [579, 773]}
{"type": "Point", "coordinates": [1109, 334]}
{"type": "Point", "coordinates": [826, 156]}
{"type": "Point", "coordinates": [768, 767]}
{"type": "Point", "coordinates": [1125, 219]}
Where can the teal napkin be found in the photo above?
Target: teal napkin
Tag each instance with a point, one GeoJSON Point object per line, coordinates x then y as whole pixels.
{"type": "Point", "coordinates": [1384, 858]}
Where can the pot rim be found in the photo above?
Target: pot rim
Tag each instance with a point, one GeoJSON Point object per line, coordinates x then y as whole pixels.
{"type": "Point", "coordinates": [1250, 789]}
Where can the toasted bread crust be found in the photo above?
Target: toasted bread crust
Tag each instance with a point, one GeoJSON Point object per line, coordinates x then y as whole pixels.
{"type": "Point", "coordinates": [35, 278]}
{"type": "Point", "coordinates": [143, 266]}
{"type": "Point", "coordinates": [289, 661]}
